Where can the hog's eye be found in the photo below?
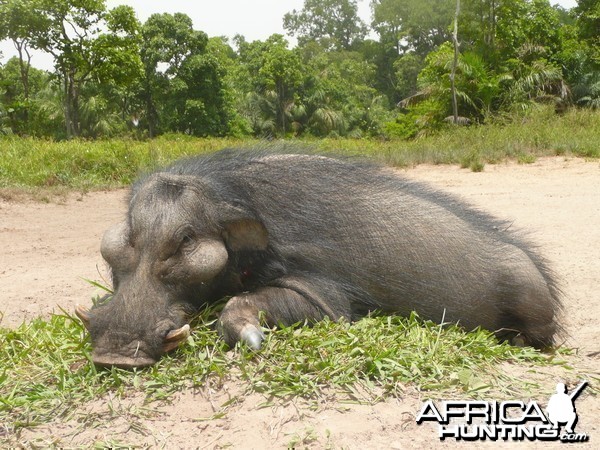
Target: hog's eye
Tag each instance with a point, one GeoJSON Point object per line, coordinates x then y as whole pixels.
{"type": "Point", "coordinates": [186, 243]}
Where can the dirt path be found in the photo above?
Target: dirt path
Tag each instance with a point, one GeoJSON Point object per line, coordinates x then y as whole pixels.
{"type": "Point", "coordinates": [48, 249]}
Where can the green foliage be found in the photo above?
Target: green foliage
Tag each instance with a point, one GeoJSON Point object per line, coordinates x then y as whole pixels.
{"type": "Point", "coordinates": [406, 71]}
{"type": "Point", "coordinates": [587, 13]}
{"type": "Point", "coordinates": [476, 89]}
{"type": "Point", "coordinates": [271, 74]}
{"type": "Point", "coordinates": [21, 103]}
{"type": "Point", "coordinates": [408, 31]}
{"type": "Point", "coordinates": [526, 24]}
{"type": "Point", "coordinates": [332, 23]}
{"type": "Point", "coordinates": [588, 90]}
{"type": "Point", "coordinates": [87, 54]}
{"type": "Point", "coordinates": [183, 88]}
{"type": "Point", "coordinates": [524, 84]}
{"type": "Point", "coordinates": [85, 59]}
{"type": "Point", "coordinates": [416, 120]}
{"type": "Point", "coordinates": [338, 96]}
{"type": "Point", "coordinates": [116, 77]}
{"type": "Point", "coordinates": [582, 54]}
{"type": "Point", "coordinates": [516, 72]}
{"type": "Point", "coordinates": [413, 25]}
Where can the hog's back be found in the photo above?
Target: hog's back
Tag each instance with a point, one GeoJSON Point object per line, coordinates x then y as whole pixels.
{"type": "Point", "coordinates": [395, 245]}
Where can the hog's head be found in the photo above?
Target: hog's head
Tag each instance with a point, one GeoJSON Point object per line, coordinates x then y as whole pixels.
{"type": "Point", "coordinates": [166, 259]}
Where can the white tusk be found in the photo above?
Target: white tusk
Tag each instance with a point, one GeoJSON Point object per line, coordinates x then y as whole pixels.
{"type": "Point", "coordinates": [84, 314]}
{"type": "Point", "coordinates": [178, 335]}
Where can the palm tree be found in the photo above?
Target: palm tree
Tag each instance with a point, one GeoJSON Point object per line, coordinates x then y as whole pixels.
{"type": "Point", "coordinates": [587, 90]}
{"type": "Point", "coordinates": [528, 84]}
{"type": "Point", "coordinates": [475, 86]}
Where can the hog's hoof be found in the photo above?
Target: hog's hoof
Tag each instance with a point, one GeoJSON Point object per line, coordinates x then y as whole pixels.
{"type": "Point", "coordinates": [239, 323]}
{"type": "Point", "coordinates": [249, 333]}
{"type": "Point", "coordinates": [252, 336]}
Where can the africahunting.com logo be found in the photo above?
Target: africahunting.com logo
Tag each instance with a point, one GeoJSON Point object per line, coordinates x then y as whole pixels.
{"type": "Point", "coordinates": [509, 420]}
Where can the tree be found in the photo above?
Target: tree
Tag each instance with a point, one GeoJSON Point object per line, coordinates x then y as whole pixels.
{"type": "Point", "coordinates": [479, 19]}
{"type": "Point", "coordinates": [476, 87]}
{"type": "Point", "coordinates": [202, 101]}
{"type": "Point", "coordinates": [389, 18]}
{"type": "Point", "coordinates": [407, 69]}
{"type": "Point", "coordinates": [338, 95]}
{"type": "Point", "coordinates": [17, 20]}
{"type": "Point", "coordinates": [71, 31]}
{"type": "Point", "coordinates": [273, 75]}
{"type": "Point", "coordinates": [523, 24]}
{"type": "Point", "coordinates": [168, 39]}
{"type": "Point", "coordinates": [232, 92]}
{"type": "Point", "coordinates": [333, 23]}
{"type": "Point", "coordinates": [183, 87]}
{"type": "Point", "coordinates": [21, 108]}
{"type": "Point", "coordinates": [586, 53]}
{"type": "Point", "coordinates": [412, 25]}
{"type": "Point", "coordinates": [587, 13]}
{"type": "Point", "coordinates": [408, 31]}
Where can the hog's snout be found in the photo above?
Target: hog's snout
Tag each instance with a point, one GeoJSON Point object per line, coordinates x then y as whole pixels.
{"type": "Point", "coordinates": [121, 349]}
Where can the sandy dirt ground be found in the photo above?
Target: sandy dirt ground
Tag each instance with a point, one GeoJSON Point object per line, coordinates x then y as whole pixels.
{"type": "Point", "coordinates": [47, 250]}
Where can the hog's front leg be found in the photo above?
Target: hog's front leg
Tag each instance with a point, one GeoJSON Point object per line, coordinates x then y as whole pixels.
{"type": "Point", "coordinates": [286, 302]}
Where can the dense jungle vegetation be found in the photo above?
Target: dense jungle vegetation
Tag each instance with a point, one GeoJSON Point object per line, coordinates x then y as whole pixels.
{"type": "Point", "coordinates": [416, 67]}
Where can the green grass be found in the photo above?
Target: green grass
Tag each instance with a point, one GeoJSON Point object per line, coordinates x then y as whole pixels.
{"type": "Point", "coordinates": [46, 373]}
{"type": "Point", "coordinates": [92, 164]}
{"type": "Point", "coordinates": [542, 133]}
{"type": "Point", "coordinates": [86, 165]}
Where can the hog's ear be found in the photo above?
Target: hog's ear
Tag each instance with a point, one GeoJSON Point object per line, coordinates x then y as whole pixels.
{"type": "Point", "coordinates": [115, 248]}
{"type": "Point", "coordinates": [246, 234]}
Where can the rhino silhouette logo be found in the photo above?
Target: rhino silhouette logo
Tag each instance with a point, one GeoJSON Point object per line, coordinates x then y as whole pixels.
{"type": "Point", "coordinates": [561, 407]}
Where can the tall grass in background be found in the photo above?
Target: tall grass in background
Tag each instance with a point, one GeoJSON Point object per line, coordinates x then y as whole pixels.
{"type": "Point", "coordinates": [85, 165]}
{"type": "Point", "coordinates": [92, 164]}
{"type": "Point", "coordinates": [541, 133]}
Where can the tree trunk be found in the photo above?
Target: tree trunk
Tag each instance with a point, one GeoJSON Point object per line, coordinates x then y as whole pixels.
{"type": "Point", "coordinates": [71, 104]}
{"type": "Point", "coordinates": [454, 64]}
{"type": "Point", "coordinates": [24, 66]}
{"type": "Point", "coordinates": [493, 27]}
{"type": "Point", "coordinates": [281, 105]}
{"type": "Point", "coordinates": [76, 126]}
{"type": "Point", "coordinates": [67, 103]}
{"type": "Point", "coordinates": [150, 116]}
